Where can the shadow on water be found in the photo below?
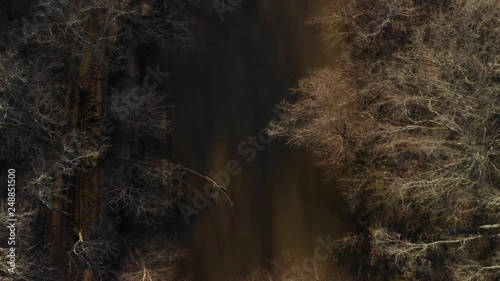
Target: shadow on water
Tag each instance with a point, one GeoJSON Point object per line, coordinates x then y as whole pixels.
{"type": "Point", "coordinates": [225, 94]}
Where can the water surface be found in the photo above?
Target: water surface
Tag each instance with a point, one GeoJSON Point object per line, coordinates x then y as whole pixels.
{"type": "Point", "coordinates": [222, 96]}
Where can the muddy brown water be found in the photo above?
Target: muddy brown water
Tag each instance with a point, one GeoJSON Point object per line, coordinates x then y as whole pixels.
{"type": "Point", "coordinates": [225, 94]}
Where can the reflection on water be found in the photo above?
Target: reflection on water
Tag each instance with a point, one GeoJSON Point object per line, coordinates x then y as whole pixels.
{"type": "Point", "coordinates": [223, 96]}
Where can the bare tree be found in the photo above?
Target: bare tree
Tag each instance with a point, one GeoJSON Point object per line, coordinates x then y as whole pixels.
{"type": "Point", "coordinates": [30, 116]}
{"type": "Point", "coordinates": [31, 264]}
{"type": "Point", "coordinates": [35, 132]}
{"type": "Point", "coordinates": [413, 258]}
{"type": "Point", "coordinates": [149, 191]}
{"type": "Point", "coordinates": [290, 267]}
{"type": "Point", "coordinates": [32, 126]}
{"type": "Point", "coordinates": [159, 259]}
{"type": "Point", "coordinates": [145, 115]}
{"type": "Point", "coordinates": [164, 22]}
{"type": "Point", "coordinates": [96, 250]}
{"type": "Point", "coordinates": [410, 121]}
{"type": "Point", "coordinates": [65, 157]}
{"type": "Point", "coordinates": [31, 259]}
{"type": "Point", "coordinates": [75, 157]}
{"type": "Point", "coordinates": [100, 24]}
{"type": "Point", "coordinates": [324, 114]}
{"type": "Point", "coordinates": [34, 129]}
{"type": "Point", "coordinates": [470, 269]}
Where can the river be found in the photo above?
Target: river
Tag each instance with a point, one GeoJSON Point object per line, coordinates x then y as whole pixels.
{"type": "Point", "coordinates": [224, 94]}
